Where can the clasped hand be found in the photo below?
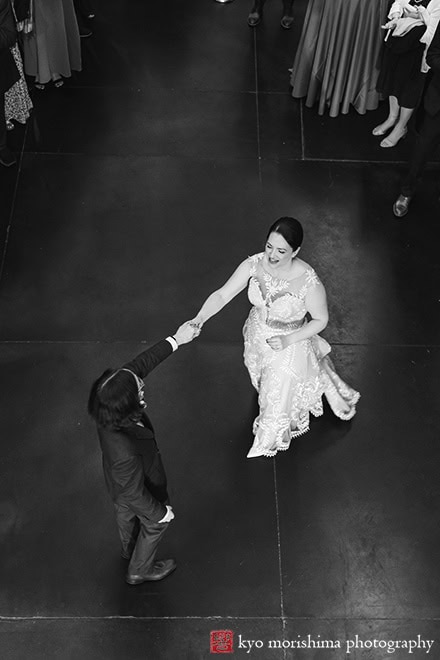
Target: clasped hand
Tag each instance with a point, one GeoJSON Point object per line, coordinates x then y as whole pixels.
{"type": "Point", "coordinates": [186, 332]}
{"type": "Point", "coordinates": [278, 342]}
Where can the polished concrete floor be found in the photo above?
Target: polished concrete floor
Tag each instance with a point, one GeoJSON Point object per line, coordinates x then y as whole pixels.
{"type": "Point", "coordinates": [139, 187]}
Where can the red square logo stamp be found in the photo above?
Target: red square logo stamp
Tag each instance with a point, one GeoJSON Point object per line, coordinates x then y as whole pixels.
{"type": "Point", "coordinates": [222, 641]}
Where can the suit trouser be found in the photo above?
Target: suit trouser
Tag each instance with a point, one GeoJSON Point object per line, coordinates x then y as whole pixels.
{"type": "Point", "coordinates": [428, 141]}
{"type": "Point", "coordinates": [140, 538]}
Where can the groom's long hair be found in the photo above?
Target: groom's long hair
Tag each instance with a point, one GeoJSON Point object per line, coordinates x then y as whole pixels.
{"type": "Point", "coordinates": [114, 399]}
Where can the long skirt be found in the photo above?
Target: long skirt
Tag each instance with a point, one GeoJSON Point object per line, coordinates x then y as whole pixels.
{"type": "Point", "coordinates": [53, 48]}
{"type": "Point", "coordinates": [337, 61]}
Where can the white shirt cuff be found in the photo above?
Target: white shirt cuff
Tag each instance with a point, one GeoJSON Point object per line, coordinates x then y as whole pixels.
{"type": "Point", "coordinates": [173, 342]}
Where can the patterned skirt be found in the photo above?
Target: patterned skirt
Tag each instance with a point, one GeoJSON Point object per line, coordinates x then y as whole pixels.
{"type": "Point", "coordinates": [290, 384]}
{"type": "Point", "coordinates": [18, 103]}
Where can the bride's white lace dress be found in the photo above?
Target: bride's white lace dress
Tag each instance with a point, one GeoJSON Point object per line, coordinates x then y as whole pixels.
{"type": "Point", "coordinates": [290, 383]}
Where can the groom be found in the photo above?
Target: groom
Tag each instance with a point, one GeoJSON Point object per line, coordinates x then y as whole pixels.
{"type": "Point", "coordinates": [133, 469]}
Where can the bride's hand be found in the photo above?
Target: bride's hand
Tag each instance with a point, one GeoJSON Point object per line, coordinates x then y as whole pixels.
{"type": "Point", "coordinates": [196, 322]}
{"type": "Point", "coordinates": [278, 342]}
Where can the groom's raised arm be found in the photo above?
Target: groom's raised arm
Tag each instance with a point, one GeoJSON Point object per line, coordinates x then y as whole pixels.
{"type": "Point", "coordinates": [148, 360]}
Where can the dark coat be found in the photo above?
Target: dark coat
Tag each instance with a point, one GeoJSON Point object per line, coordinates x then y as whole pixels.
{"type": "Point", "coordinates": [133, 468]}
{"type": "Point", "coordinates": [8, 36]}
{"type": "Point", "coordinates": [432, 96]}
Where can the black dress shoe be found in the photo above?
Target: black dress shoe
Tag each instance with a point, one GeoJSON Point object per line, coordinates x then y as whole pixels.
{"type": "Point", "coordinates": [159, 571]}
{"type": "Point", "coordinates": [287, 22]}
{"type": "Point", "coordinates": [401, 206]}
{"type": "Point", "coordinates": [254, 18]}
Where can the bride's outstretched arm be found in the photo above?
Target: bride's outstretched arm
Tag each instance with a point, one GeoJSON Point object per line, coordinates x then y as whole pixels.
{"type": "Point", "coordinates": [221, 297]}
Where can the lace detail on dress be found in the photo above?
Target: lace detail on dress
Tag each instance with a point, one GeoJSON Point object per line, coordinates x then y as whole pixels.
{"type": "Point", "coordinates": [290, 383]}
{"type": "Point", "coordinates": [254, 260]}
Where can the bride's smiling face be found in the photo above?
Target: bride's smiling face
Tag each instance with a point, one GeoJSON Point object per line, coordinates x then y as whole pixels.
{"type": "Point", "coordinates": [278, 251]}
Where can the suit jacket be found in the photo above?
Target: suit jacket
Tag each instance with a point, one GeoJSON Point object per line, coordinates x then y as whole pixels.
{"type": "Point", "coordinates": [432, 96]}
{"type": "Point", "coordinates": [133, 468]}
{"type": "Point", "coordinates": [8, 36]}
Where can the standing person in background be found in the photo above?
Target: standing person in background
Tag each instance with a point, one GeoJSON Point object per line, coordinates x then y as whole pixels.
{"type": "Point", "coordinates": [52, 50]}
{"type": "Point", "coordinates": [9, 74]}
{"type": "Point", "coordinates": [336, 60]}
{"type": "Point", "coordinates": [18, 103]}
{"type": "Point", "coordinates": [133, 468]}
{"type": "Point", "coordinates": [256, 14]}
{"type": "Point", "coordinates": [84, 14]}
{"type": "Point", "coordinates": [404, 65]}
{"type": "Point", "coordinates": [429, 138]}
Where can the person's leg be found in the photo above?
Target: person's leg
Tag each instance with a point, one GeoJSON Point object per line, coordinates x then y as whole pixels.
{"type": "Point", "coordinates": [287, 19]}
{"type": "Point", "coordinates": [399, 130]}
{"type": "Point", "coordinates": [389, 122]}
{"type": "Point", "coordinates": [427, 142]}
{"type": "Point", "coordinates": [128, 527]}
{"type": "Point", "coordinates": [7, 158]}
{"type": "Point", "coordinates": [142, 558]}
{"type": "Point", "coordinates": [256, 13]}
{"type": "Point", "coordinates": [82, 19]}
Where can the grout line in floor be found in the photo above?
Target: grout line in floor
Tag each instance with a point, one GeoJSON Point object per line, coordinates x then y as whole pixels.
{"type": "Point", "coordinates": [118, 617]}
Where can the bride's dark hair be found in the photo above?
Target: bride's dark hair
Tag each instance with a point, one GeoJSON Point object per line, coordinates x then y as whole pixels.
{"type": "Point", "coordinates": [290, 229]}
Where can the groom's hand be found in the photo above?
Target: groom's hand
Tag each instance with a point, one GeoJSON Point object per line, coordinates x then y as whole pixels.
{"type": "Point", "coordinates": [186, 333]}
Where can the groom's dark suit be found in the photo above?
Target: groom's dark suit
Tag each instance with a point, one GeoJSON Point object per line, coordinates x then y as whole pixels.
{"type": "Point", "coordinates": [135, 476]}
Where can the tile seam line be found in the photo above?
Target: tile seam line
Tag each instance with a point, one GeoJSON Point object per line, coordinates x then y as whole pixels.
{"type": "Point", "coordinates": [257, 108]}
{"type": "Point", "coordinates": [212, 617]}
{"type": "Point", "coordinates": [198, 157]}
{"type": "Point", "coordinates": [280, 568]}
{"type": "Point", "coordinates": [94, 342]}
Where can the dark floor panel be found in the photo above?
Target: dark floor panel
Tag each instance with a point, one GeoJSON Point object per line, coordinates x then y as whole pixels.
{"type": "Point", "coordinates": [348, 137]}
{"type": "Point", "coordinates": [368, 638]}
{"type": "Point", "coordinates": [113, 239]}
{"type": "Point", "coordinates": [358, 500]}
{"type": "Point", "coordinates": [202, 45]}
{"type": "Point", "coordinates": [183, 639]}
{"type": "Point", "coordinates": [276, 47]}
{"type": "Point", "coordinates": [371, 263]}
{"type": "Point", "coordinates": [151, 122]}
{"type": "Point", "coordinates": [275, 110]}
{"type": "Point", "coordinates": [60, 546]}
{"type": "Point", "coordinates": [329, 639]}
{"type": "Point", "coordinates": [189, 639]}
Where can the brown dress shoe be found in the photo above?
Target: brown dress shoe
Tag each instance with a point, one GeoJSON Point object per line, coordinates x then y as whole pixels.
{"type": "Point", "coordinates": [159, 571]}
{"type": "Point", "coordinates": [401, 206]}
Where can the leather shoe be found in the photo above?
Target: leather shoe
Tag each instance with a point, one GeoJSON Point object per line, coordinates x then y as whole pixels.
{"type": "Point", "coordinates": [159, 571]}
{"type": "Point", "coordinates": [401, 206]}
{"type": "Point", "coordinates": [254, 19]}
{"type": "Point", "coordinates": [287, 22]}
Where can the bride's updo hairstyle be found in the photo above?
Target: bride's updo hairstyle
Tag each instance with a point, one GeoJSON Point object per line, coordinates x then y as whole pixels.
{"type": "Point", "coordinates": [290, 229]}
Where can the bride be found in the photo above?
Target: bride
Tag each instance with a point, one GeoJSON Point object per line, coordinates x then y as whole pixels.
{"type": "Point", "coordinates": [287, 360]}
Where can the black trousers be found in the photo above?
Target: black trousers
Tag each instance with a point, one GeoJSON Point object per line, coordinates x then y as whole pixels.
{"type": "Point", "coordinates": [83, 8]}
{"type": "Point", "coordinates": [428, 141]}
{"type": "Point", "coordinates": [2, 122]}
{"type": "Point", "coordinates": [140, 538]}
